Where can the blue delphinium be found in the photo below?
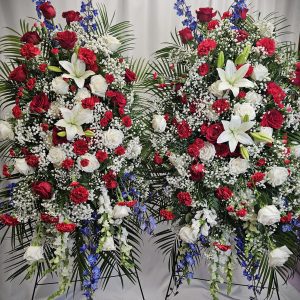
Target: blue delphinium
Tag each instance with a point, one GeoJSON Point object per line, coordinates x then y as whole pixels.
{"type": "Point", "coordinates": [49, 25]}
{"type": "Point", "coordinates": [237, 9]}
{"type": "Point", "coordinates": [88, 21]}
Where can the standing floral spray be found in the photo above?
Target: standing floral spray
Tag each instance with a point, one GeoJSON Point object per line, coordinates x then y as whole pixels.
{"type": "Point", "coordinates": [71, 148]}
{"type": "Point", "coordinates": [225, 147]}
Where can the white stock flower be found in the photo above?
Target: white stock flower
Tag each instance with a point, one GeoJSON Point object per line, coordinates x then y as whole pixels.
{"type": "Point", "coordinates": [243, 109]}
{"type": "Point", "coordinates": [208, 152]}
{"type": "Point", "coordinates": [214, 89]}
{"type": "Point", "coordinates": [77, 70]}
{"type": "Point", "coordinates": [112, 43]}
{"type": "Point", "coordinates": [268, 215]}
{"type": "Point", "coordinates": [260, 72]}
{"type": "Point", "coordinates": [82, 94]}
{"type": "Point", "coordinates": [22, 167]}
{"type": "Point", "coordinates": [60, 86]}
{"type": "Point", "coordinates": [233, 79]}
{"type": "Point", "coordinates": [279, 256]}
{"type": "Point", "coordinates": [277, 175]}
{"type": "Point", "coordinates": [73, 119]}
{"type": "Point", "coordinates": [120, 212]}
{"type": "Point", "coordinates": [6, 131]}
{"type": "Point", "coordinates": [92, 163]}
{"type": "Point", "coordinates": [253, 98]}
{"type": "Point", "coordinates": [235, 132]}
{"type": "Point", "coordinates": [98, 85]}
{"type": "Point", "coordinates": [238, 166]}
{"type": "Point", "coordinates": [112, 138]}
{"type": "Point", "coordinates": [34, 253]}
{"type": "Point", "coordinates": [159, 123]}
{"type": "Point", "coordinates": [56, 156]}
{"type": "Point", "coordinates": [109, 244]}
{"type": "Point", "coordinates": [210, 216]}
{"type": "Point", "coordinates": [186, 234]}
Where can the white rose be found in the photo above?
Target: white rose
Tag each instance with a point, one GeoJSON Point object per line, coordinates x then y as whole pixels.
{"type": "Point", "coordinates": [214, 89]}
{"type": "Point", "coordinates": [253, 98]}
{"type": "Point", "coordinates": [112, 138]}
{"type": "Point", "coordinates": [120, 212]}
{"type": "Point", "coordinates": [34, 253]}
{"type": "Point", "coordinates": [98, 85]}
{"type": "Point", "coordinates": [187, 234]}
{"type": "Point", "coordinates": [260, 73]}
{"type": "Point", "coordinates": [22, 167]}
{"type": "Point", "coordinates": [159, 123]}
{"type": "Point", "coordinates": [238, 166]}
{"type": "Point", "coordinates": [279, 256]}
{"type": "Point", "coordinates": [82, 94]}
{"type": "Point", "coordinates": [109, 244]}
{"type": "Point", "coordinates": [296, 150]}
{"type": "Point", "coordinates": [92, 164]}
{"type": "Point", "coordinates": [133, 149]}
{"type": "Point", "coordinates": [60, 86]}
{"type": "Point", "coordinates": [243, 109]}
{"type": "Point", "coordinates": [6, 131]}
{"type": "Point", "coordinates": [268, 215]}
{"type": "Point", "coordinates": [208, 152]}
{"type": "Point", "coordinates": [277, 176]}
{"type": "Point", "coordinates": [111, 42]}
{"type": "Point", "coordinates": [56, 156]}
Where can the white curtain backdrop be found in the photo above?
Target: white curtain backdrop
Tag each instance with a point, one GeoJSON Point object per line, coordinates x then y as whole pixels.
{"type": "Point", "coordinates": [153, 21]}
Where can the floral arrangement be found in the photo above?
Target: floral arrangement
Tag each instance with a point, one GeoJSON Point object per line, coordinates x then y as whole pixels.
{"type": "Point", "coordinates": [71, 148]}
{"type": "Point", "coordinates": [225, 147]}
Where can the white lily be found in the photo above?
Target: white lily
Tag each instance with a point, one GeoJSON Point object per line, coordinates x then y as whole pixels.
{"type": "Point", "coordinates": [233, 79]}
{"type": "Point", "coordinates": [77, 70]}
{"type": "Point", "coordinates": [235, 132]}
{"type": "Point", "coordinates": [73, 119]}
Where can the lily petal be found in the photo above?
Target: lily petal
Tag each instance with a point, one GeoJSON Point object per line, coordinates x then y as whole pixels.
{"type": "Point", "coordinates": [244, 83]}
{"type": "Point", "coordinates": [71, 131]}
{"type": "Point", "coordinates": [230, 69]}
{"type": "Point", "coordinates": [235, 122]}
{"type": "Point", "coordinates": [232, 144]}
{"type": "Point", "coordinates": [67, 66]}
{"type": "Point", "coordinates": [242, 71]}
{"type": "Point", "coordinates": [222, 74]}
{"type": "Point", "coordinates": [244, 138]}
{"type": "Point", "coordinates": [224, 137]}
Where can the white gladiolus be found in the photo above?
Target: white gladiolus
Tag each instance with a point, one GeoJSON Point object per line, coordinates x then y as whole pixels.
{"type": "Point", "coordinates": [214, 89]}
{"type": "Point", "coordinates": [296, 150]}
{"type": "Point", "coordinates": [56, 156]}
{"type": "Point", "coordinates": [109, 244]}
{"type": "Point", "coordinates": [82, 94]}
{"type": "Point", "coordinates": [253, 98]}
{"type": "Point", "coordinates": [208, 152]}
{"type": "Point", "coordinates": [268, 215]}
{"type": "Point", "coordinates": [34, 253]}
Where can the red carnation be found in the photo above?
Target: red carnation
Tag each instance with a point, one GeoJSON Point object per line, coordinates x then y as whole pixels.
{"type": "Point", "coordinates": [65, 227]}
{"type": "Point", "coordinates": [272, 118]}
{"type": "Point", "coordinates": [226, 15]}
{"type": "Point", "coordinates": [287, 218]}
{"type": "Point", "coordinates": [130, 76]}
{"type": "Point", "coordinates": [8, 220]}
{"type": "Point", "coordinates": [104, 122]}
{"type": "Point", "coordinates": [109, 78]}
{"type": "Point", "coordinates": [19, 74]}
{"type": "Point", "coordinates": [223, 193]}
{"type": "Point", "coordinates": [213, 132]}
{"type": "Point", "coordinates": [258, 176]}
{"type": "Point", "coordinates": [87, 55]}
{"type": "Point", "coordinates": [203, 69]}
{"type": "Point", "coordinates": [31, 37]}
{"type": "Point", "coordinates": [241, 212]}
{"type": "Point", "coordinates": [243, 14]}
{"type": "Point", "coordinates": [185, 198]}
{"type": "Point", "coordinates": [71, 16]}
{"type": "Point", "coordinates": [213, 24]}
{"type": "Point", "coordinates": [296, 77]}
{"type": "Point", "coordinates": [194, 149]}
{"type": "Point", "coordinates": [43, 189]}
{"type": "Point", "coordinates": [29, 51]}
{"type": "Point", "coordinates": [80, 147]}
{"type": "Point", "coordinates": [205, 14]}
{"type": "Point", "coordinates": [120, 150]}
{"type": "Point", "coordinates": [158, 160]}
{"type": "Point", "coordinates": [183, 129]}
{"type": "Point", "coordinates": [43, 67]}
{"type": "Point", "coordinates": [32, 160]}
{"type": "Point", "coordinates": [126, 121]}
{"type": "Point", "coordinates": [6, 171]}
{"type": "Point", "coordinates": [220, 106]}
{"type": "Point", "coordinates": [206, 46]}
{"type": "Point", "coordinates": [167, 214]}
{"type": "Point", "coordinates": [47, 10]}
{"type": "Point", "coordinates": [101, 155]}
{"type": "Point", "coordinates": [197, 171]}
{"type": "Point", "coordinates": [242, 35]}
{"type": "Point", "coordinates": [186, 35]}
{"type": "Point", "coordinates": [17, 112]}
{"type": "Point", "coordinates": [39, 104]}
{"type": "Point", "coordinates": [277, 93]}
{"type": "Point", "coordinates": [67, 164]}
{"type": "Point", "coordinates": [268, 44]}
{"type": "Point", "coordinates": [49, 219]}
{"type": "Point", "coordinates": [117, 98]}
{"type": "Point", "coordinates": [222, 150]}
{"type": "Point", "coordinates": [79, 195]}
{"type": "Point", "coordinates": [67, 39]}
{"type": "Point", "coordinates": [89, 103]}
{"type": "Point", "coordinates": [31, 83]}
{"type": "Point", "coordinates": [109, 179]}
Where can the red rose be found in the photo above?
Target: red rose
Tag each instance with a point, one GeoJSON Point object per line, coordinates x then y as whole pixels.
{"type": "Point", "coordinates": [197, 171]}
{"type": "Point", "coordinates": [261, 162]}
{"type": "Point", "coordinates": [65, 227]}
{"type": "Point", "coordinates": [31, 83]}
{"type": "Point", "coordinates": [39, 104]}
{"type": "Point", "coordinates": [222, 150]}
{"type": "Point", "coordinates": [29, 51]}
{"type": "Point", "coordinates": [130, 76]}
{"type": "Point", "coordinates": [109, 115]}
{"type": "Point", "coordinates": [126, 121]}
{"type": "Point", "coordinates": [268, 44]}
{"type": "Point", "coordinates": [203, 69]}
{"type": "Point", "coordinates": [185, 198]}
{"type": "Point", "coordinates": [47, 10]}
{"type": "Point", "coordinates": [186, 35]}
{"type": "Point", "coordinates": [49, 219]}
{"type": "Point", "coordinates": [296, 77]}
{"type": "Point", "coordinates": [220, 106]}
{"type": "Point", "coordinates": [109, 179]}
{"type": "Point", "coordinates": [104, 122]}
{"type": "Point", "coordinates": [31, 37]}
{"type": "Point", "coordinates": [120, 150]}
{"type": "Point", "coordinates": [57, 140]}
{"type": "Point", "coordinates": [205, 14]}
{"type": "Point", "coordinates": [55, 51]}
{"type": "Point", "coordinates": [230, 208]}
{"type": "Point", "coordinates": [71, 16]}
{"type": "Point", "coordinates": [89, 103]}
{"type": "Point", "coordinates": [213, 132]}
{"type": "Point", "coordinates": [277, 92]}
{"type": "Point", "coordinates": [8, 220]}
{"type": "Point", "coordinates": [80, 147]}
{"type": "Point", "coordinates": [223, 193]}
{"type": "Point", "coordinates": [258, 176]}
{"type": "Point", "coordinates": [79, 195]}
{"type": "Point", "coordinates": [226, 15]}
{"type": "Point", "coordinates": [67, 164]}
{"type": "Point", "coordinates": [272, 118]}
{"type": "Point", "coordinates": [32, 160]}
{"type": "Point", "coordinates": [206, 46]}
{"type": "Point", "coordinates": [243, 14]}
{"type": "Point", "coordinates": [109, 78]}
{"type": "Point", "coordinates": [242, 35]}
{"type": "Point", "coordinates": [203, 129]}
{"type": "Point", "coordinates": [43, 67]}
{"type": "Point", "coordinates": [287, 218]}
{"type": "Point", "coordinates": [67, 39]}
{"type": "Point", "coordinates": [101, 155]}
{"type": "Point", "coordinates": [194, 149]}
{"type": "Point", "coordinates": [17, 112]}
{"type": "Point", "coordinates": [167, 214]}
{"type": "Point", "coordinates": [158, 160]}
{"type": "Point", "coordinates": [43, 189]}
{"type": "Point", "coordinates": [87, 55]}
{"type": "Point", "coordinates": [213, 24]}
{"type": "Point", "coordinates": [183, 129]}
{"type": "Point", "coordinates": [19, 74]}
{"type": "Point", "coordinates": [222, 247]}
